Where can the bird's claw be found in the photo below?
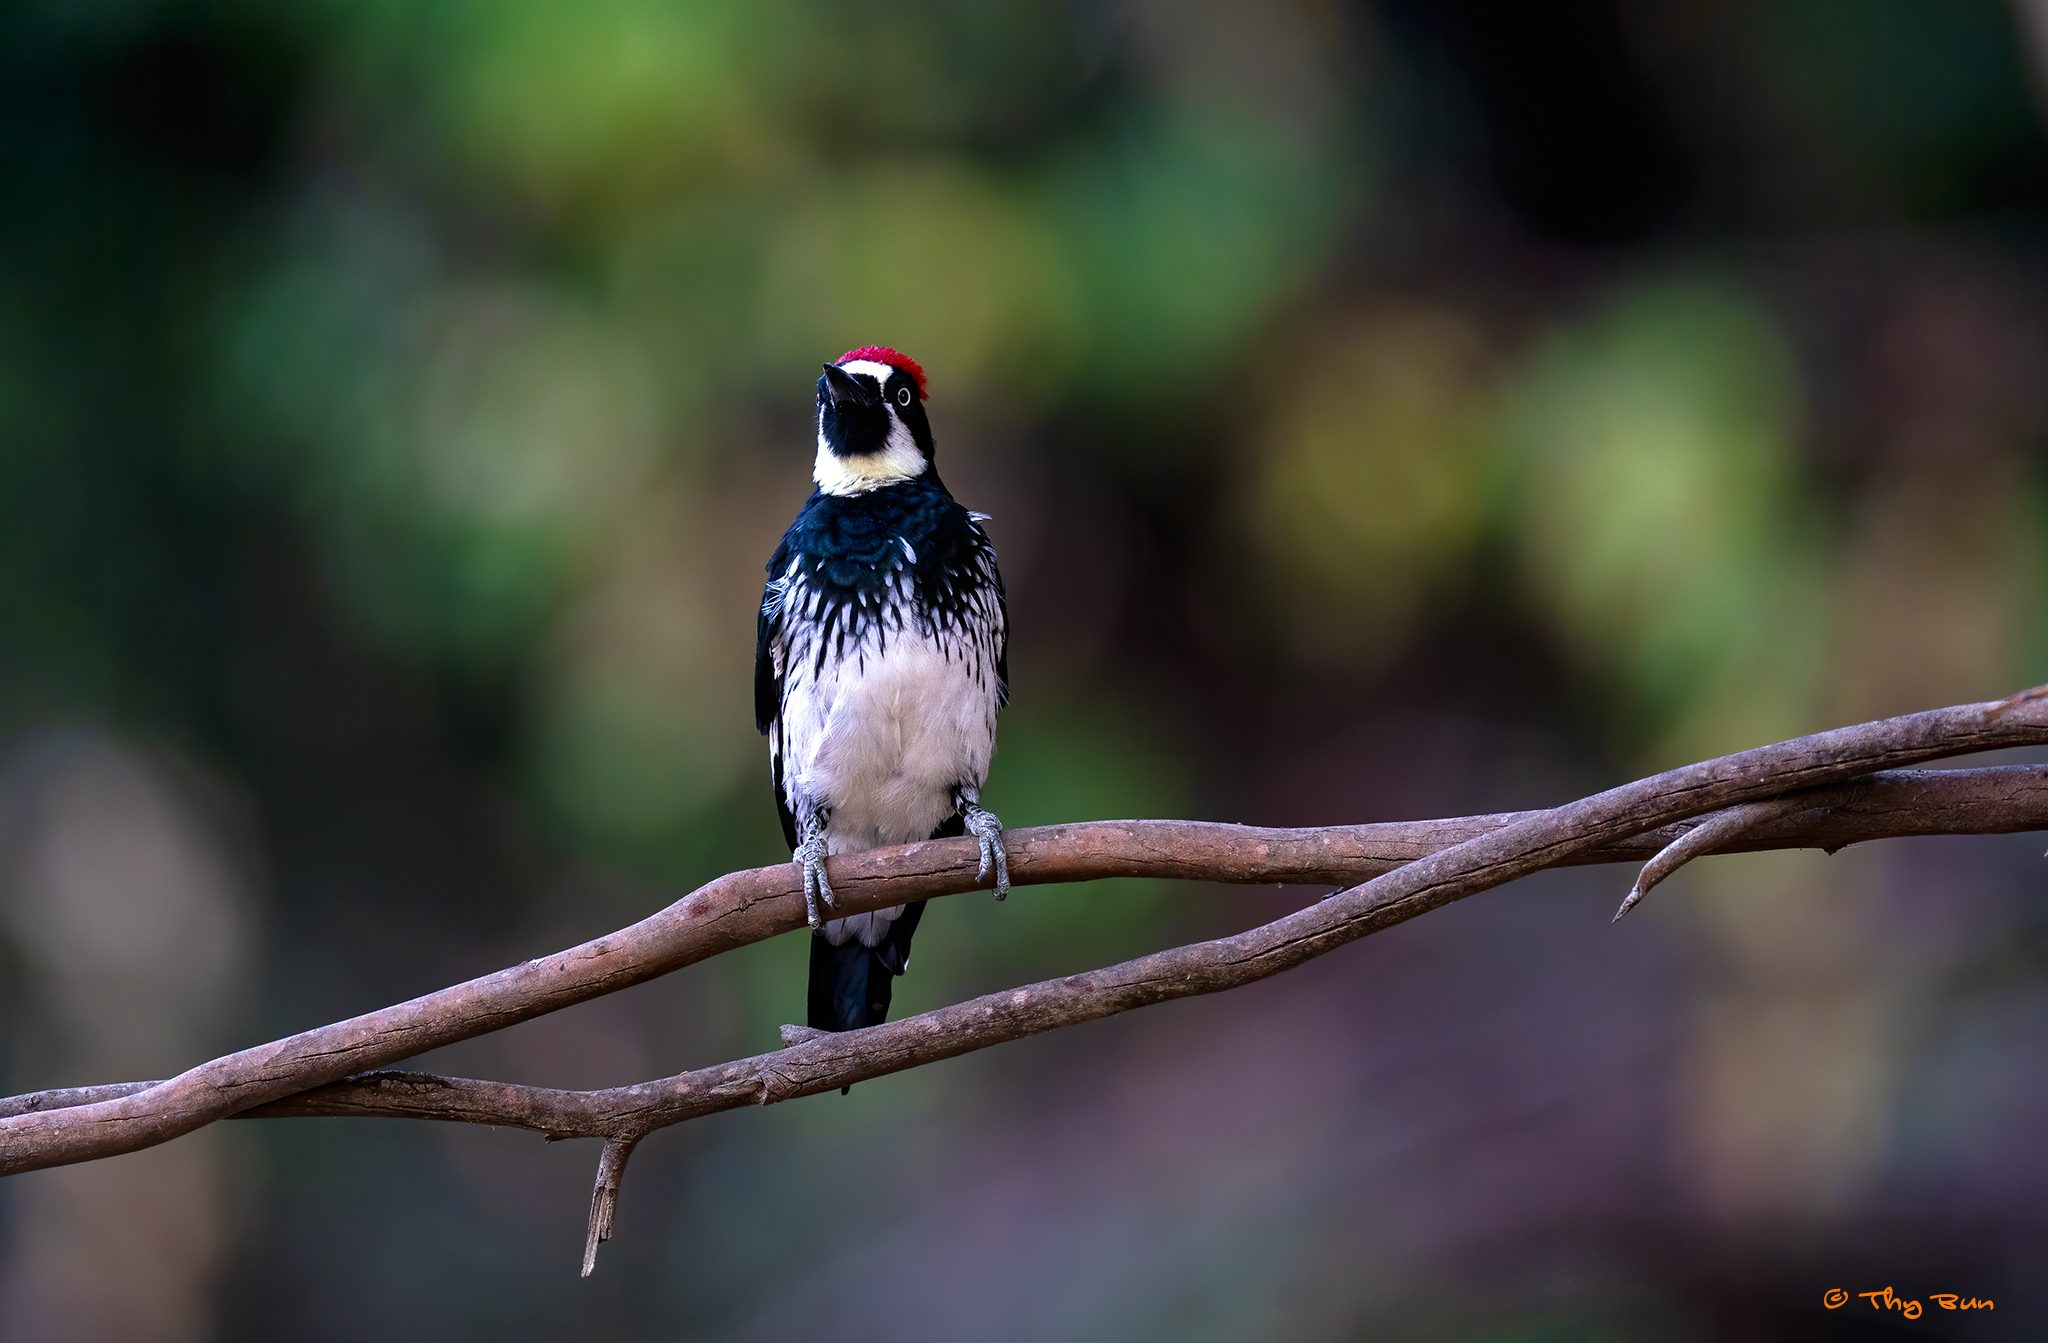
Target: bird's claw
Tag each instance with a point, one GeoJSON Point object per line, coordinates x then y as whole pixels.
{"type": "Point", "coordinates": [984, 826]}
{"type": "Point", "coordinates": [810, 861]}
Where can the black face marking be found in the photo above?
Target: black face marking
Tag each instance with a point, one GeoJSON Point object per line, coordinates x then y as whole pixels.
{"type": "Point", "coordinates": [851, 415]}
{"type": "Point", "coordinates": [855, 412]}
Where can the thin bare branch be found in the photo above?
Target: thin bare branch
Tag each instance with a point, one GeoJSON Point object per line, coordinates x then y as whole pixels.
{"type": "Point", "coordinates": [604, 1198]}
{"type": "Point", "coordinates": [1893, 803]}
{"type": "Point", "coordinates": [1711, 833]}
{"type": "Point", "coordinates": [1887, 805]}
{"type": "Point", "coordinates": [1489, 859]}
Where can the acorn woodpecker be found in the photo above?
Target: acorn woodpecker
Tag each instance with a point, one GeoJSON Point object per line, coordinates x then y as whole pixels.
{"type": "Point", "coordinates": [880, 663]}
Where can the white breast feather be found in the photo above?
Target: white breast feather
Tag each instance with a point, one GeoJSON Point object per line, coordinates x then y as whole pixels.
{"type": "Point", "coordinates": [884, 734]}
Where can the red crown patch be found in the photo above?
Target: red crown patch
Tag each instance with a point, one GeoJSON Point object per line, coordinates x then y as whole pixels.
{"type": "Point", "coordinates": [882, 354]}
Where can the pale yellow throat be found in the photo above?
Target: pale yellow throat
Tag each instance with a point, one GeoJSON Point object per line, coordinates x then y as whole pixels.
{"type": "Point", "coordinates": [898, 460]}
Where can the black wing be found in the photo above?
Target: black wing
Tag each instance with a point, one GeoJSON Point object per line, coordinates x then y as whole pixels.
{"type": "Point", "coordinates": [995, 575]}
{"type": "Point", "coordinates": [768, 681]}
{"type": "Point", "coordinates": [1002, 645]}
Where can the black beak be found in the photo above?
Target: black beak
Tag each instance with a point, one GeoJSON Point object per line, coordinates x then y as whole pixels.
{"type": "Point", "coordinates": [846, 389]}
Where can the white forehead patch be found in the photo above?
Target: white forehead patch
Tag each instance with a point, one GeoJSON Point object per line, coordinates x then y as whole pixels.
{"type": "Point", "coordinates": [879, 372]}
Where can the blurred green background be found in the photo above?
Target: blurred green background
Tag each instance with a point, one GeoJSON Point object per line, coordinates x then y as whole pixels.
{"type": "Point", "coordinates": [1386, 410]}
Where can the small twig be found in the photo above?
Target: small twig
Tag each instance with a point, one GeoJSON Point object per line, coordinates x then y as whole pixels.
{"type": "Point", "coordinates": [2020, 699]}
{"type": "Point", "coordinates": [604, 1196]}
{"type": "Point", "coordinates": [1710, 834]}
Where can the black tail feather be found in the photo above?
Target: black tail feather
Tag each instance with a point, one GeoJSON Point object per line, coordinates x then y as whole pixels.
{"type": "Point", "coordinates": [851, 984]}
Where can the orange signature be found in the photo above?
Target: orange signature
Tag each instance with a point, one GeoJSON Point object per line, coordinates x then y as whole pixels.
{"type": "Point", "coordinates": [1884, 1298]}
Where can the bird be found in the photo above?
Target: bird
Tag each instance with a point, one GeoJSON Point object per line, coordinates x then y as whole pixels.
{"type": "Point", "coordinates": [881, 663]}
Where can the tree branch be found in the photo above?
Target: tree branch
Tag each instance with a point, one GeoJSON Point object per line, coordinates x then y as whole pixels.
{"type": "Point", "coordinates": [1805, 781]}
{"type": "Point", "coordinates": [1798, 792]}
{"type": "Point", "coordinates": [1718, 829]}
{"type": "Point", "coordinates": [1889, 805]}
{"type": "Point", "coordinates": [745, 906]}
{"type": "Point", "coordinates": [1497, 855]}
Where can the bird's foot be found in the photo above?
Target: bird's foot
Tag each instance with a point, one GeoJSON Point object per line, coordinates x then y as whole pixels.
{"type": "Point", "coordinates": [986, 827]}
{"type": "Point", "coordinates": [810, 861]}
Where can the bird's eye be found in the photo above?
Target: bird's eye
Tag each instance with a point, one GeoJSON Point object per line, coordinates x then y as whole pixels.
{"type": "Point", "coordinates": [903, 397]}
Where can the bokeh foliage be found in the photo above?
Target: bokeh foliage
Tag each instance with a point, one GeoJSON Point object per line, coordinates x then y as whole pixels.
{"type": "Point", "coordinates": [397, 403]}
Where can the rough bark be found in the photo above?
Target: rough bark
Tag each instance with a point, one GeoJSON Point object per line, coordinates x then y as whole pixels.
{"type": "Point", "coordinates": [1823, 791]}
